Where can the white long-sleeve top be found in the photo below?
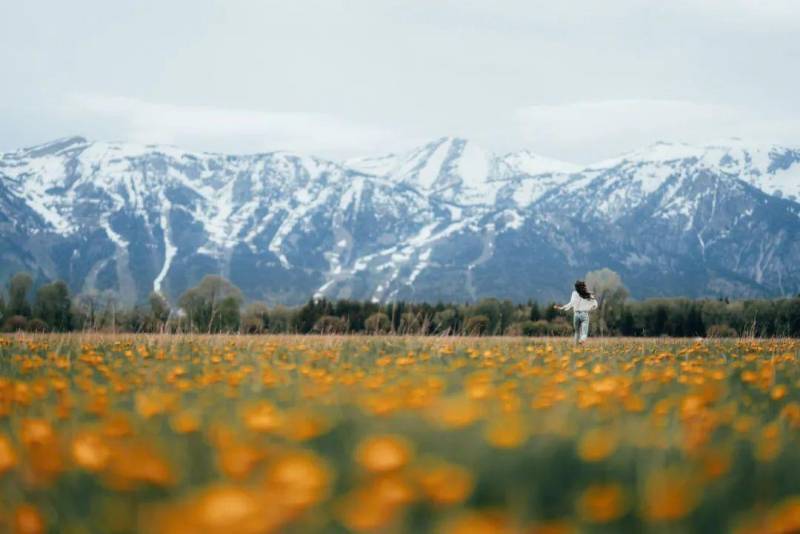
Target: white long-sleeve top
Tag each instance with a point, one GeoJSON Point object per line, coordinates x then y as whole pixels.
{"type": "Point", "coordinates": [579, 304]}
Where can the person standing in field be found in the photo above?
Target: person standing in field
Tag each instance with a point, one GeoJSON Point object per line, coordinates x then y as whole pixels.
{"type": "Point", "coordinates": [581, 303]}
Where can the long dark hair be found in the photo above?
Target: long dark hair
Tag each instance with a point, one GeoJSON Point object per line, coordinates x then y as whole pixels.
{"type": "Point", "coordinates": [580, 287]}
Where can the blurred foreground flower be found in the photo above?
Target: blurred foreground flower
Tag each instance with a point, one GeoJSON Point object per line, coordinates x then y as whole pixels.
{"type": "Point", "coordinates": [219, 510]}
{"type": "Point", "coordinates": [444, 483]}
{"type": "Point", "coordinates": [484, 522]}
{"type": "Point", "coordinates": [90, 451]}
{"type": "Point", "coordinates": [8, 458]}
{"type": "Point", "coordinates": [669, 494]}
{"type": "Point", "coordinates": [383, 453]}
{"type": "Point", "coordinates": [298, 480]}
{"type": "Point", "coordinates": [602, 503]}
{"type": "Point", "coordinates": [28, 520]}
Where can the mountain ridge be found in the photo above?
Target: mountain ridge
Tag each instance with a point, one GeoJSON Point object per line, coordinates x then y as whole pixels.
{"type": "Point", "coordinates": [447, 220]}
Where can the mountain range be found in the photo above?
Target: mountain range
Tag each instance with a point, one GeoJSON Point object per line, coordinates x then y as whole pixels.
{"type": "Point", "coordinates": [445, 221]}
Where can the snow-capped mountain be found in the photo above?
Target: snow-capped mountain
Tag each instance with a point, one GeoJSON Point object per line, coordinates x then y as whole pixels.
{"type": "Point", "coordinates": [460, 172]}
{"type": "Point", "coordinates": [448, 220]}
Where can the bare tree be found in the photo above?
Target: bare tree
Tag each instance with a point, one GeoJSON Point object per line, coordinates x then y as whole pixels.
{"type": "Point", "coordinates": [610, 293]}
{"type": "Point", "coordinates": [213, 305]}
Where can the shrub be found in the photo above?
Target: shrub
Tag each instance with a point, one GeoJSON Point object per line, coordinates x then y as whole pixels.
{"type": "Point", "coordinates": [476, 325]}
{"type": "Point", "coordinates": [15, 323]}
{"type": "Point", "coordinates": [330, 324]}
{"type": "Point", "coordinates": [529, 328]}
{"type": "Point", "coordinates": [446, 321]}
{"type": "Point", "coordinates": [560, 327]}
{"type": "Point", "coordinates": [537, 328]}
{"type": "Point", "coordinates": [252, 325]}
{"type": "Point", "coordinates": [409, 324]}
{"type": "Point", "coordinates": [721, 330]}
{"type": "Point", "coordinates": [37, 325]}
{"type": "Point", "coordinates": [377, 323]}
{"type": "Point", "coordinates": [255, 319]}
{"type": "Point", "coordinates": [515, 329]}
{"type": "Point", "coordinates": [280, 320]}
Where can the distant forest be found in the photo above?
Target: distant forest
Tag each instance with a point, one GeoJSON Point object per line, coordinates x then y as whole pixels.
{"type": "Point", "coordinates": [215, 305]}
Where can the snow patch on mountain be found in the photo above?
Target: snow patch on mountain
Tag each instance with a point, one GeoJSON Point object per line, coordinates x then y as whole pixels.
{"type": "Point", "coordinates": [771, 168]}
{"type": "Point", "coordinates": [462, 173]}
{"type": "Point", "coordinates": [527, 163]}
{"type": "Point", "coordinates": [169, 247]}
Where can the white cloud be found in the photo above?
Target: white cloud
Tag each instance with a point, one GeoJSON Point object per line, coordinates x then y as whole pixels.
{"type": "Point", "coordinates": [763, 15]}
{"type": "Point", "coordinates": [309, 75]}
{"type": "Point", "coordinates": [581, 131]}
{"type": "Point", "coordinates": [592, 130]}
{"type": "Point", "coordinates": [233, 130]}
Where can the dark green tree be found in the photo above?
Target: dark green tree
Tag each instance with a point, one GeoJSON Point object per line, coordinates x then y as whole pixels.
{"type": "Point", "coordinates": [447, 321]}
{"type": "Point", "coordinates": [19, 288]}
{"type": "Point", "coordinates": [627, 325]}
{"type": "Point", "coordinates": [228, 317]}
{"type": "Point", "coordinates": [53, 306]}
{"type": "Point", "coordinates": [135, 319]}
{"type": "Point", "coordinates": [550, 312]}
{"type": "Point", "coordinates": [396, 311]}
{"type": "Point", "coordinates": [659, 322]}
{"type": "Point", "coordinates": [282, 320]}
{"type": "Point", "coordinates": [308, 315]}
{"type": "Point", "coordinates": [535, 313]}
{"type": "Point", "coordinates": [507, 311]}
{"type": "Point", "coordinates": [694, 321]}
{"type": "Point", "coordinates": [491, 310]}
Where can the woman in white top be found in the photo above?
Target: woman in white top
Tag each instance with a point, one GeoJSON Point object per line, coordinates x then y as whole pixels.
{"type": "Point", "coordinates": [581, 303]}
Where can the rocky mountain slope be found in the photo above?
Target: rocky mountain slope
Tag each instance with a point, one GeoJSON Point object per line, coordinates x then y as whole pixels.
{"type": "Point", "coordinates": [447, 221]}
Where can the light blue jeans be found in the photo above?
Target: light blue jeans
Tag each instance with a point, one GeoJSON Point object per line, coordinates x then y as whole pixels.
{"type": "Point", "coordinates": [580, 320]}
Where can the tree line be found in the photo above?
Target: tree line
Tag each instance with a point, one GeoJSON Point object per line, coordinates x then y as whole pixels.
{"type": "Point", "coordinates": [215, 305]}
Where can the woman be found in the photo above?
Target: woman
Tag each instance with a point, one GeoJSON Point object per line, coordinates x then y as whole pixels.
{"type": "Point", "coordinates": [582, 302]}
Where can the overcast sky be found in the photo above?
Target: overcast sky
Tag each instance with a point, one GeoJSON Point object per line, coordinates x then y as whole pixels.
{"type": "Point", "coordinates": [577, 80]}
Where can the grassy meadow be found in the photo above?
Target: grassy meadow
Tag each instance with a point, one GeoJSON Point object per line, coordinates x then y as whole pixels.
{"type": "Point", "coordinates": [297, 434]}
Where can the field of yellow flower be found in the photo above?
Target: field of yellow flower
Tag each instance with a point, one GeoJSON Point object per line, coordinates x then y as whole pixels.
{"type": "Point", "coordinates": [249, 435]}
